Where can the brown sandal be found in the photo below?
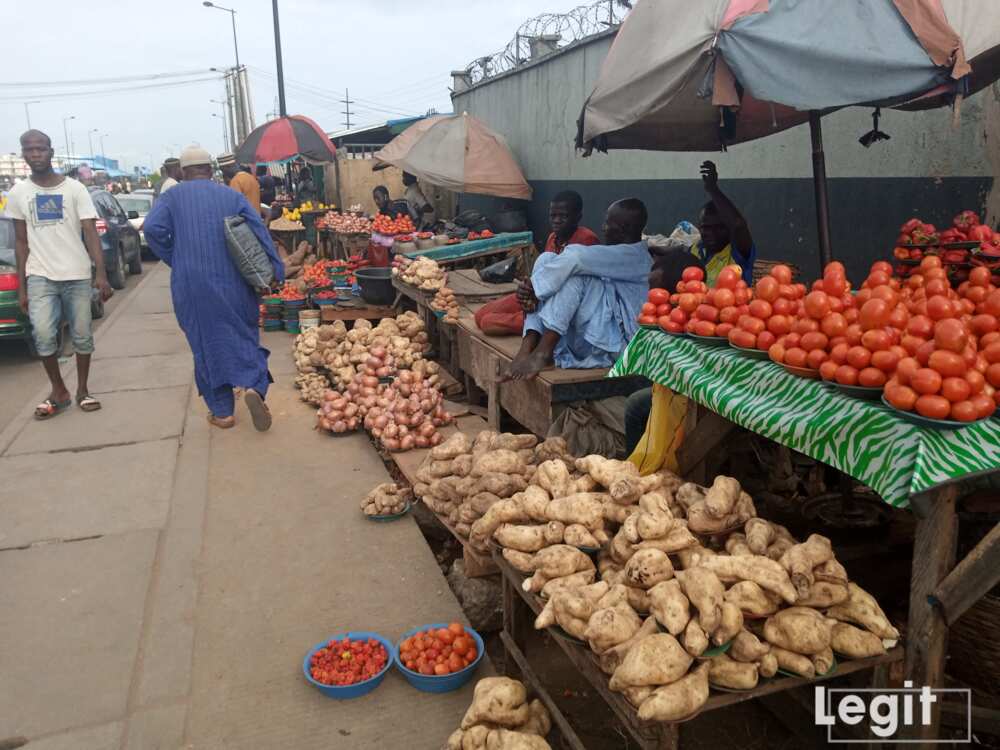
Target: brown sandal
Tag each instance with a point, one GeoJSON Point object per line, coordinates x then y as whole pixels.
{"type": "Point", "coordinates": [259, 412]}
{"type": "Point", "coordinates": [223, 423]}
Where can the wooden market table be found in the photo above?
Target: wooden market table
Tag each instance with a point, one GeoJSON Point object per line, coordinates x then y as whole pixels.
{"type": "Point", "coordinates": [909, 466]}
{"type": "Point", "coordinates": [475, 253]}
{"type": "Point", "coordinates": [355, 309]}
{"type": "Point", "coordinates": [519, 611]}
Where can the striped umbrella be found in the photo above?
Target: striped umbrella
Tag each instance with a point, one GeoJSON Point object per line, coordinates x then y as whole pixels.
{"type": "Point", "coordinates": [283, 139]}
{"type": "Point", "coordinates": [684, 76]}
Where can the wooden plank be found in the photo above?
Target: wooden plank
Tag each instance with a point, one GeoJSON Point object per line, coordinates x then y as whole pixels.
{"type": "Point", "coordinates": [467, 286]}
{"type": "Point", "coordinates": [569, 736]}
{"type": "Point", "coordinates": [330, 313]}
{"type": "Point", "coordinates": [927, 632]}
{"type": "Point", "coordinates": [449, 385]}
{"type": "Point", "coordinates": [971, 579]}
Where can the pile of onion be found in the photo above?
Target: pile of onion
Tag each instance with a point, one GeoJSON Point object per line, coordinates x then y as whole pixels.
{"type": "Point", "coordinates": [407, 413]}
{"type": "Point", "coordinates": [338, 413]}
{"type": "Point", "coordinates": [379, 363]}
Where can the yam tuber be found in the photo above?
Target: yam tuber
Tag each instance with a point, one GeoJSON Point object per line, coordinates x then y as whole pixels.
{"type": "Point", "coordinates": [862, 609]}
{"type": "Point", "coordinates": [567, 583]}
{"type": "Point", "coordinates": [611, 659]}
{"type": "Point", "coordinates": [610, 626]}
{"type": "Point", "coordinates": [721, 498]}
{"type": "Point", "coordinates": [800, 560]}
{"type": "Point", "coordinates": [677, 539]}
{"type": "Point", "coordinates": [823, 661]}
{"type": "Point", "coordinates": [499, 701]}
{"type": "Point", "coordinates": [730, 624]}
{"type": "Point", "coordinates": [528, 538]}
{"type": "Point", "coordinates": [653, 525]}
{"type": "Point", "coordinates": [729, 673]}
{"type": "Point", "coordinates": [655, 660]}
{"type": "Point", "coordinates": [679, 700]}
{"type": "Point", "coordinates": [799, 629]}
{"type": "Point", "coordinates": [621, 478]}
{"type": "Point", "coordinates": [586, 509]}
{"type": "Point", "coordinates": [453, 447]}
{"type": "Point", "coordinates": [855, 643]}
{"type": "Point", "coordinates": [752, 599]}
{"type": "Point", "coordinates": [695, 640]}
{"type": "Point", "coordinates": [669, 606]}
{"type": "Point", "coordinates": [498, 462]}
{"type": "Point", "coordinates": [822, 595]}
{"type": "Point", "coordinates": [578, 536]}
{"type": "Point", "coordinates": [648, 567]}
{"type": "Point", "coordinates": [768, 665]}
{"type": "Point", "coordinates": [655, 502]}
{"type": "Point", "coordinates": [759, 535]}
{"type": "Point", "coordinates": [794, 662]}
{"type": "Point", "coordinates": [766, 573]}
{"type": "Point", "coordinates": [705, 592]}
{"type": "Point", "coordinates": [554, 478]}
{"type": "Point", "coordinates": [505, 511]}
{"type": "Point", "coordinates": [747, 647]}
{"type": "Point", "coordinates": [736, 545]}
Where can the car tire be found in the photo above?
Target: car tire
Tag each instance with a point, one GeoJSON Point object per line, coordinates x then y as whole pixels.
{"type": "Point", "coordinates": [96, 308]}
{"type": "Point", "coordinates": [117, 272]}
{"type": "Point", "coordinates": [135, 265]}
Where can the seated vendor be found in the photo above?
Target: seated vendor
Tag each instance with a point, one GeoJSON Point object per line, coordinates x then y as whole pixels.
{"type": "Point", "coordinates": [583, 302]}
{"type": "Point", "coordinates": [504, 316]}
{"type": "Point", "coordinates": [725, 236]}
{"type": "Point", "coordinates": [421, 210]}
{"type": "Point", "coordinates": [387, 205]}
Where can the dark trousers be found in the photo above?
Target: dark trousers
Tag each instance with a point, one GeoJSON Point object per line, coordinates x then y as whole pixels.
{"type": "Point", "coordinates": [637, 408]}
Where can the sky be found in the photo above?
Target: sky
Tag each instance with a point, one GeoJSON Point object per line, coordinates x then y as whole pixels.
{"type": "Point", "coordinates": [395, 57]}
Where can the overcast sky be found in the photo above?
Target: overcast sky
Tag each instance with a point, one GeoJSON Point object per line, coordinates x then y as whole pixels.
{"type": "Point", "coordinates": [394, 56]}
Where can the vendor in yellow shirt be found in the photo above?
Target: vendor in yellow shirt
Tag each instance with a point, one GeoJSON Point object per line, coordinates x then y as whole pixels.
{"type": "Point", "coordinates": [240, 179]}
{"type": "Point", "coordinates": [725, 236]}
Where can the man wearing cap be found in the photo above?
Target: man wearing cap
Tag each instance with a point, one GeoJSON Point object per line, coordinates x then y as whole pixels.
{"type": "Point", "coordinates": [214, 305]}
{"type": "Point", "coordinates": [171, 176]}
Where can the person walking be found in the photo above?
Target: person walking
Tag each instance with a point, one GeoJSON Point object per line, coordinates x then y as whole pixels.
{"type": "Point", "coordinates": [214, 305]}
{"type": "Point", "coordinates": [171, 172]}
{"type": "Point", "coordinates": [239, 178]}
{"type": "Point", "coordinates": [56, 243]}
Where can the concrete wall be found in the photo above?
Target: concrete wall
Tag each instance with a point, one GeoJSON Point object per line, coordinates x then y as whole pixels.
{"type": "Point", "coordinates": [929, 167]}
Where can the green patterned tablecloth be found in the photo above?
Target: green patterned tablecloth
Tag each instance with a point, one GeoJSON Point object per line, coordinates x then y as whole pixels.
{"type": "Point", "coordinates": [864, 439]}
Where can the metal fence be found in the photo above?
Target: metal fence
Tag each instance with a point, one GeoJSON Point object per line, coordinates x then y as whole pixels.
{"type": "Point", "coordinates": [581, 22]}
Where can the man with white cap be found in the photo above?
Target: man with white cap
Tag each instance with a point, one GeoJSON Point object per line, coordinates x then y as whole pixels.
{"type": "Point", "coordinates": [214, 305]}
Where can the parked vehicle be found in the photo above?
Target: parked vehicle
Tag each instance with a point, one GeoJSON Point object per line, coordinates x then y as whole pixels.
{"type": "Point", "coordinates": [119, 239]}
{"type": "Point", "coordinates": [140, 204]}
{"type": "Point", "coordinates": [14, 324]}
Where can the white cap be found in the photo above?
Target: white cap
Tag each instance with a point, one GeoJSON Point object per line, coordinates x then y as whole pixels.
{"type": "Point", "coordinates": [195, 156]}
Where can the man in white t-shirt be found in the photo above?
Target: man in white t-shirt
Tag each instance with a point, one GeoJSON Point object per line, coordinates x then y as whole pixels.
{"type": "Point", "coordinates": [50, 214]}
{"type": "Point", "coordinates": [171, 176]}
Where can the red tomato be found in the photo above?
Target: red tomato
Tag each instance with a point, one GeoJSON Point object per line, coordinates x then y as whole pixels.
{"type": "Point", "coordinates": [886, 361]}
{"type": "Point", "coordinates": [729, 314]}
{"type": "Point", "coordinates": [648, 308]}
{"type": "Point", "coordinates": [948, 364]}
{"type": "Point", "coordinates": [658, 296]}
{"type": "Point", "coordinates": [814, 340]}
{"type": "Point", "coordinates": [688, 302]}
{"type": "Point", "coordinates": [933, 407]}
{"type": "Point", "coordinates": [692, 273]}
{"type": "Point", "coordinates": [674, 327]}
{"type": "Point", "coordinates": [767, 289]}
{"type": "Point", "coordinates": [817, 305]}
{"type": "Point", "coordinates": [783, 306]}
{"type": "Point", "coordinates": [964, 411]}
{"type": "Point", "coordinates": [926, 381]}
{"type": "Point", "coordinates": [677, 315]}
{"type": "Point", "coordinates": [875, 340]}
{"type": "Point", "coordinates": [727, 278]}
{"type": "Point", "coordinates": [834, 284]}
{"type": "Point", "coordinates": [992, 352]}
{"type": "Point", "coordinates": [984, 405]}
{"type": "Point", "coordinates": [765, 339]}
{"type": "Point", "coordinates": [724, 298]}
{"type": "Point", "coordinates": [707, 312]}
{"type": "Point", "coordinates": [756, 326]}
{"type": "Point", "coordinates": [976, 381]}
{"type": "Point", "coordinates": [761, 309]}
{"type": "Point", "coordinates": [741, 338]}
{"type": "Point", "coordinates": [777, 352]}
{"type": "Point", "coordinates": [815, 358]}
{"type": "Point", "coordinates": [834, 324]}
{"type": "Point", "coordinates": [991, 305]}
{"type": "Point", "coordinates": [838, 353]}
{"type": "Point", "coordinates": [704, 328]}
{"type": "Point", "coordinates": [955, 389]}
{"type": "Point", "coordinates": [993, 374]}
{"type": "Point", "coordinates": [871, 377]}
{"type": "Point", "coordinates": [779, 325]}
{"type": "Point", "coordinates": [796, 357]}
{"type": "Point", "coordinates": [874, 313]}
{"type": "Point", "coordinates": [901, 397]}
{"type": "Point", "coordinates": [802, 326]}
{"type": "Point", "coordinates": [951, 335]}
{"type": "Point", "coordinates": [858, 357]}
{"type": "Point", "coordinates": [782, 273]}
{"type": "Point", "coordinates": [846, 375]}
{"type": "Point", "coordinates": [984, 324]}
{"type": "Point", "coordinates": [828, 369]}
{"type": "Point", "coordinates": [648, 320]}
{"type": "Point", "coordinates": [722, 329]}
{"type": "Point", "coordinates": [939, 308]}
{"type": "Point", "coordinates": [662, 310]}
{"type": "Point", "coordinates": [920, 326]}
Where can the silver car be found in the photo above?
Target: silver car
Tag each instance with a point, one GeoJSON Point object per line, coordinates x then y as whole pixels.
{"type": "Point", "coordinates": [141, 204]}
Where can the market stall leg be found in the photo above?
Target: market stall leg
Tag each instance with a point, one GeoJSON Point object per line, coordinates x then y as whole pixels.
{"type": "Point", "coordinates": [927, 631]}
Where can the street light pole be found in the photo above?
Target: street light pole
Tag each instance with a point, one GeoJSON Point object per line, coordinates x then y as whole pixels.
{"type": "Point", "coordinates": [90, 140]}
{"type": "Point", "coordinates": [232, 15]}
{"type": "Point", "coordinates": [277, 53]}
{"type": "Point", "coordinates": [66, 134]}
{"type": "Point", "coordinates": [27, 114]}
{"type": "Point", "coordinates": [104, 157]}
{"type": "Point", "coordinates": [225, 138]}
{"type": "Point", "coordinates": [225, 130]}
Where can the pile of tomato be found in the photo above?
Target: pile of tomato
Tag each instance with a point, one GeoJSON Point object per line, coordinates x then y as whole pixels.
{"type": "Point", "coordinates": [347, 662]}
{"type": "Point", "coordinates": [290, 292]}
{"type": "Point", "coordinates": [484, 235]}
{"type": "Point", "coordinates": [383, 224]}
{"type": "Point", "coordinates": [438, 652]}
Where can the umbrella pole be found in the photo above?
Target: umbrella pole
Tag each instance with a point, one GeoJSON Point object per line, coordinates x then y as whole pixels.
{"type": "Point", "coordinates": [820, 187]}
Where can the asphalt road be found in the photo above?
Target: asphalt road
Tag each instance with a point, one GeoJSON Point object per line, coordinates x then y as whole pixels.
{"type": "Point", "coordinates": [21, 377]}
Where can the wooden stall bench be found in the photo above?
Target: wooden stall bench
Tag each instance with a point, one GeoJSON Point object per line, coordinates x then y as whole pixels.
{"type": "Point", "coordinates": [909, 466]}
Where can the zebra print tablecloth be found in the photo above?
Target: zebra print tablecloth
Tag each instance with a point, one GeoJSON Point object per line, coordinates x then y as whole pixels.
{"type": "Point", "coordinates": [864, 439]}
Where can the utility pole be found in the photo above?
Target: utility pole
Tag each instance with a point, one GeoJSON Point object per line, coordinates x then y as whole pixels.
{"type": "Point", "coordinates": [90, 141]}
{"type": "Point", "coordinates": [66, 136]}
{"type": "Point", "coordinates": [225, 130]}
{"type": "Point", "coordinates": [27, 114]}
{"type": "Point", "coordinates": [347, 102]}
{"type": "Point", "coordinates": [277, 54]}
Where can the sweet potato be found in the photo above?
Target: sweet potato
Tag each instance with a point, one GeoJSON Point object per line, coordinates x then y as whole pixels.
{"type": "Point", "coordinates": [461, 465]}
{"type": "Point", "coordinates": [620, 548]}
{"type": "Point", "coordinates": [721, 497]}
{"type": "Point", "coordinates": [736, 545]}
{"type": "Point", "coordinates": [579, 536]}
{"type": "Point", "coordinates": [695, 640]}
{"type": "Point", "coordinates": [555, 562]}
{"type": "Point", "coordinates": [528, 538]}
{"type": "Point", "coordinates": [586, 483]}
{"type": "Point", "coordinates": [521, 561]}
{"type": "Point", "coordinates": [610, 626]}
{"type": "Point", "coordinates": [799, 629]}
{"type": "Point", "coordinates": [535, 502]}
{"type": "Point", "coordinates": [553, 447]}
{"type": "Point", "coordinates": [729, 673]}
{"type": "Point", "coordinates": [759, 535]}
{"type": "Point", "coordinates": [498, 462]}
{"type": "Point", "coordinates": [505, 511]}
{"type": "Point", "coordinates": [505, 739]}
{"type": "Point", "coordinates": [862, 609]}
{"type": "Point", "coordinates": [655, 660]}
{"type": "Point", "coordinates": [568, 583]}
{"type": "Point", "coordinates": [731, 622]}
{"type": "Point", "coordinates": [768, 665]}
{"type": "Point", "coordinates": [653, 525]}
{"type": "Point", "coordinates": [855, 643]}
{"type": "Point", "coordinates": [637, 695]}
{"type": "Point", "coordinates": [638, 599]}
{"type": "Point", "coordinates": [747, 647]}
{"type": "Point", "coordinates": [499, 701]}
{"type": "Point", "coordinates": [512, 442]}
{"type": "Point", "coordinates": [689, 556]}
{"type": "Point", "coordinates": [539, 723]}
{"type": "Point", "coordinates": [647, 567]}
{"type": "Point", "coordinates": [669, 606]}
{"type": "Point", "coordinates": [481, 502]}
{"type": "Point", "coordinates": [621, 478]}
{"type": "Point", "coordinates": [554, 478]}
{"type": "Point", "coordinates": [679, 700]}
{"type": "Point", "coordinates": [677, 539]}
{"type": "Point", "coordinates": [611, 659]}
{"type": "Point", "coordinates": [822, 595]}
{"type": "Point", "coordinates": [752, 599]}
{"type": "Point", "coordinates": [831, 572]}
{"type": "Point", "coordinates": [584, 509]}
{"type": "Point", "coordinates": [766, 573]}
{"type": "Point", "coordinates": [800, 560]}
{"type": "Point", "coordinates": [793, 662]}
{"type": "Point", "coordinates": [688, 494]}
{"type": "Point", "coordinates": [453, 447]}
{"type": "Point", "coordinates": [705, 592]}
{"type": "Point", "coordinates": [779, 547]}
{"type": "Point", "coordinates": [823, 661]}
{"type": "Point", "coordinates": [655, 502]}
{"type": "Point", "coordinates": [501, 485]}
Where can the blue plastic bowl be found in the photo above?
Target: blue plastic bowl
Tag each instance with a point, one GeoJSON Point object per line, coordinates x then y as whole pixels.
{"type": "Point", "coordinates": [439, 683]}
{"type": "Point", "coordinates": [343, 692]}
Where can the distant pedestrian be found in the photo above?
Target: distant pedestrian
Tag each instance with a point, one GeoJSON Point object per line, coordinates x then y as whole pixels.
{"type": "Point", "coordinates": [51, 213]}
{"type": "Point", "coordinates": [214, 305]}
{"type": "Point", "coordinates": [306, 190]}
{"type": "Point", "coordinates": [268, 185]}
{"type": "Point", "coordinates": [240, 180]}
{"type": "Point", "coordinates": [171, 173]}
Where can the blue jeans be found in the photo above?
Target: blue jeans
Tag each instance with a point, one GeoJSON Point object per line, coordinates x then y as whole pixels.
{"type": "Point", "coordinates": [50, 303]}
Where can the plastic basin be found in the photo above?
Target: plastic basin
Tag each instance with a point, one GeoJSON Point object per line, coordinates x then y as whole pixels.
{"type": "Point", "coordinates": [439, 683]}
{"type": "Point", "coordinates": [343, 692]}
{"type": "Point", "coordinates": [376, 285]}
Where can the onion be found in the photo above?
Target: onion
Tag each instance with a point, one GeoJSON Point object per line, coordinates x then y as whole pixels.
{"type": "Point", "coordinates": [340, 426]}
{"type": "Point", "coordinates": [373, 362]}
{"type": "Point", "coordinates": [422, 442]}
{"type": "Point", "coordinates": [325, 424]}
{"type": "Point", "coordinates": [383, 372]}
{"type": "Point", "coordinates": [368, 390]}
{"type": "Point", "coordinates": [403, 430]}
{"type": "Point", "coordinates": [369, 381]}
{"type": "Point", "coordinates": [390, 444]}
{"type": "Point", "coordinates": [378, 352]}
{"type": "Point", "coordinates": [330, 395]}
{"type": "Point", "coordinates": [391, 430]}
{"type": "Point", "coordinates": [427, 429]}
{"type": "Point", "coordinates": [404, 389]}
{"type": "Point", "coordinates": [407, 443]}
{"type": "Point", "coordinates": [381, 421]}
{"type": "Point", "coordinates": [406, 377]}
{"type": "Point", "coordinates": [426, 406]}
{"type": "Point", "coordinates": [436, 438]}
{"type": "Point", "coordinates": [350, 410]}
{"type": "Point", "coordinates": [376, 432]}
{"type": "Point", "coordinates": [352, 423]}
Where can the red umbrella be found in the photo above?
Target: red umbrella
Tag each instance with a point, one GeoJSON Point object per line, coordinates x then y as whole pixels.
{"type": "Point", "coordinates": [286, 138]}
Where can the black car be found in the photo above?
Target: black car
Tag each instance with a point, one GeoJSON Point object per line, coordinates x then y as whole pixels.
{"type": "Point", "coordinates": [119, 239]}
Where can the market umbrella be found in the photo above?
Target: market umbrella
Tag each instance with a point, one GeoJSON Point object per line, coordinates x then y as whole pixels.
{"type": "Point", "coordinates": [685, 76]}
{"type": "Point", "coordinates": [283, 139]}
{"type": "Point", "coordinates": [457, 152]}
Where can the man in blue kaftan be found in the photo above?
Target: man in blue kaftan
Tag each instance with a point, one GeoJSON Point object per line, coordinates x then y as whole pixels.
{"type": "Point", "coordinates": [582, 305]}
{"type": "Point", "coordinates": [215, 307]}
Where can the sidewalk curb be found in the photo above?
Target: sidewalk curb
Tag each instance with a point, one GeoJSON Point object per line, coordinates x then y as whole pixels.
{"type": "Point", "coordinates": [9, 434]}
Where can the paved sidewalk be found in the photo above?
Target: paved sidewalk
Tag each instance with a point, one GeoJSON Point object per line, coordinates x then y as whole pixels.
{"type": "Point", "coordinates": [161, 581]}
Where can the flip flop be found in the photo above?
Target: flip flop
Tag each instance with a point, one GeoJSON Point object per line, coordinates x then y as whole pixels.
{"type": "Point", "coordinates": [88, 403]}
{"type": "Point", "coordinates": [259, 412]}
{"type": "Point", "coordinates": [223, 423]}
{"type": "Point", "coordinates": [49, 408]}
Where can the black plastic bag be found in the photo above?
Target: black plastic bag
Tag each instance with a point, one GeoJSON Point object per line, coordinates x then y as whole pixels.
{"type": "Point", "coordinates": [247, 253]}
{"type": "Point", "coordinates": [501, 272]}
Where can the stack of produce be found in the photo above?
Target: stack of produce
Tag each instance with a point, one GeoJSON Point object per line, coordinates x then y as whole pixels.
{"type": "Point", "coordinates": [463, 479]}
{"type": "Point", "coordinates": [342, 412]}
{"type": "Point", "coordinates": [344, 223]}
{"type": "Point", "coordinates": [673, 312]}
{"type": "Point", "coordinates": [287, 223]}
{"type": "Point", "coordinates": [689, 568]}
{"type": "Point", "coordinates": [387, 499]}
{"type": "Point", "coordinates": [383, 224]}
{"type": "Point", "coordinates": [966, 227]}
{"type": "Point", "coordinates": [407, 414]}
{"type": "Point", "coordinates": [484, 235]}
{"type": "Point", "coordinates": [422, 273]}
{"type": "Point", "coordinates": [312, 386]}
{"type": "Point", "coordinates": [502, 718]}
{"type": "Point", "coordinates": [355, 262]}
{"type": "Point", "coordinates": [444, 301]}
{"type": "Point", "coordinates": [346, 662]}
{"type": "Point", "coordinates": [291, 291]}
{"type": "Point", "coordinates": [295, 262]}
{"type": "Point", "coordinates": [439, 651]}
